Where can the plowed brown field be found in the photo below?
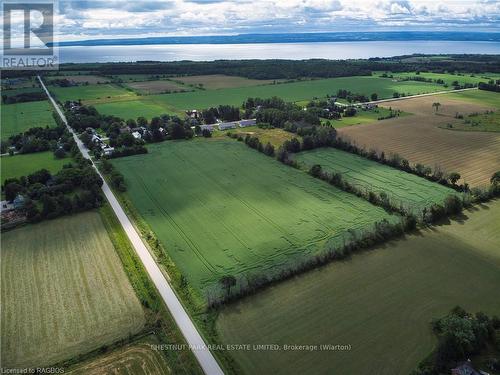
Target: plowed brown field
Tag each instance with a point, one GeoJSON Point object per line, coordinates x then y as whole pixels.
{"type": "Point", "coordinates": [475, 155]}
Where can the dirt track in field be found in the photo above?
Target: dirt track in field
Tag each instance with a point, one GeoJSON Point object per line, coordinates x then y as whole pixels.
{"type": "Point", "coordinates": [475, 155]}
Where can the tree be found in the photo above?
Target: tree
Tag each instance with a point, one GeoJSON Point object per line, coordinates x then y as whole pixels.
{"type": "Point", "coordinates": [495, 179]}
{"type": "Point", "coordinates": [436, 105]}
{"type": "Point", "coordinates": [227, 283]}
{"type": "Point", "coordinates": [60, 153]}
{"type": "Point", "coordinates": [11, 190]}
{"type": "Point", "coordinates": [315, 170]}
{"type": "Point", "coordinates": [374, 96]}
{"type": "Point", "coordinates": [454, 177]}
{"type": "Point", "coordinates": [206, 133]}
{"type": "Point", "coordinates": [269, 149]}
{"type": "Point", "coordinates": [141, 121]}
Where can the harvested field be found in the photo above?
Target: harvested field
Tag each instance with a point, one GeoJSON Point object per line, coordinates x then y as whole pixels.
{"type": "Point", "coordinates": [403, 189]}
{"type": "Point", "coordinates": [221, 81]}
{"type": "Point", "coordinates": [380, 302]}
{"type": "Point", "coordinates": [419, 138]}
{"type": "Point", "coordinates": [157, 87]}
{"type": "Point", "coordinates": [64, 292]}
{"type": "Point", "coordinates": [221, 208]}
{"type": "Point", "coordinates": [133, 359]}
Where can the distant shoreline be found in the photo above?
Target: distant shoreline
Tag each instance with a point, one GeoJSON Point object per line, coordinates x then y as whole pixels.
{"type": "Point", "coordinates": [294, 38]}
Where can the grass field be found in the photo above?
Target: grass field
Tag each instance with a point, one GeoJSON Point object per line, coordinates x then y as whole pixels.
{"type": "Point", "coordinates": [404, 189]}
{"type": "Point", "coordinates": [24, 164]}
{"type": "Point", "coordinates": [92, 94]}
{"type": "Point", "coordinates": [83, 78]}
{"type": "Point", "coordinates": [19, 117]}
{"type": "Point", "coordinates": [419, 138]}
{"type": "Point", "coordinates": [478, 122]}
{"type": "Point", "coordinates": [156, 87]}
{"type": "Point", "coordinates": [137, 358]}
{"type": "Point", "coordinates": [136, 108]}
{"type": "Point", "coordinates": [221, 81]}
{"type": "Point", "coordinates": [362, 117]}
{"type": "Point", "coordinates": [381, 302]}
{"type": "Point", "coordinates": [479, 97]}
{"type": "Point", "coordinates": [126, 104]}
{"type": "Point", "coordinates": [295, 91]}
{"type": "Point", "coordinates": [450, 78]}
{"type": "Point", "coordinates": [221, 208]}
{"type": "Point", "coordinates": [22, 90]}
{"type": "Point", "coordinates": [64, 292]}
{"type": "Point", "coordinates": [274, 136]}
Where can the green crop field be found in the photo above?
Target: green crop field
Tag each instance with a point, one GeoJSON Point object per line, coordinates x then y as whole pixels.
{"type": "Point", "coordinates": [296, 91]}
{"type": "Point", "coordinates": [22, 90]}
{"type": "Point", "coordinates": [221, 208]}
{"type": "Point", "coordinates": [404, 189]}
{"type": "Point", "coordinates": [133, 109]}
{"type": "Point", "coordinates": [380, 302]}
{"type": "Point", "coordinates": [450, 78]}
{"type": "Point", "coordinates": [19, 117]}
{"type": "Point", "coordinates": [92, 94]}
{"type": "Point", "coordinates": [125, 104]}
{"type": "Point", "coordinates": [24, 164]}
{"type": "Point", "coordinates": [64, 292]}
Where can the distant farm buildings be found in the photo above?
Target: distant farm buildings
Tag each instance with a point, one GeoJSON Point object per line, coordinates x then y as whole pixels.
{"type": "Point", "coordinates": [229, 125]}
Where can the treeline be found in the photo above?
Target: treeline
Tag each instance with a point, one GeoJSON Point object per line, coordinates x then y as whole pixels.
{"type": "Point", "coordinates": [75, 188]}
{"type": "Point", "coordinates": [491, 86]}
{"type": "Point", "coordinates": [461, 335]}
{"type": "Point", "coordinates": [278, 113]}
{"type": "Point", "coordinates": [24, 97]}
{"type": "Point", "coordinates": [56, 139]}
{"type": "Point", "coordinates": [222, 112]}
{"type": "Point", "coordinates": [289, 69]}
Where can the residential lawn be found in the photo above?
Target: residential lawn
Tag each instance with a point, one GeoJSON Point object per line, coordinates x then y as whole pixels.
{"type": "Point", "coordinates": [403, 189]}
{"type": "Point", "coordinates": [19, 117]}
{"type": "Point", "coordinates": [221, 208]}
{"type": "Point", "coordinates": [25, 164]}
{"type": "Point", "coordinates": [380, 302]}
{"type": "Point", "coordinates": [64, 292]}
{"type": "Point", "coordinates": [296, 91]}
{"type": "Point", "coordinates": [221, 81]}
{"type": "Point", "coordinates": [362, 117]}
{"type": "Point", "coordinates": [137, 358]}
{"type": "Point", "coordinates": [478, 122]}
{"type": "Point", "coordinates": [92, 94]}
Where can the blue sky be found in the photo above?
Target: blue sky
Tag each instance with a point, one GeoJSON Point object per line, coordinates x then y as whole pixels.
{"type": "Point", "coordinates": [114, 19]}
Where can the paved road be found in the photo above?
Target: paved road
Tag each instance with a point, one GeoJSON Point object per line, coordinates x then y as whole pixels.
{"type": "Point", "coordinates": [188, 329]}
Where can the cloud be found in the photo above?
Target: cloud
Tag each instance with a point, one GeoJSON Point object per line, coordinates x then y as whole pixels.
{"type": "Point", "coordinates": [99, 18]}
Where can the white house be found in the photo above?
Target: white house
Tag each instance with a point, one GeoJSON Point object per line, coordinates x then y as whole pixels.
{"type": "Point", "coordinates": [137, 135]}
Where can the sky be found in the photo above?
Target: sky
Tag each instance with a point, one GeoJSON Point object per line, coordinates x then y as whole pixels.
{"type": "Point", "coordinates": [79, 20]}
